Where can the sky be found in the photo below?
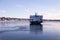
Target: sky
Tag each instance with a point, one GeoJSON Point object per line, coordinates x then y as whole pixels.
{"type": "Point", "coordinates": [50, 9]}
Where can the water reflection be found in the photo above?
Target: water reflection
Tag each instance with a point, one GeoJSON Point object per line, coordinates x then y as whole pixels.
{"type": "Point", "coordinates": [36, 28]}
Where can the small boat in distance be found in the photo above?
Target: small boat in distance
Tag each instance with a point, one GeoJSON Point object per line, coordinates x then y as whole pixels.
{"type": "Point", "coordinates": [36, 19]}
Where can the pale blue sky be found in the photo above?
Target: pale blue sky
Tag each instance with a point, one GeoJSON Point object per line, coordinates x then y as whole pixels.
{"type": "Point", "coordinates": [50, 9]}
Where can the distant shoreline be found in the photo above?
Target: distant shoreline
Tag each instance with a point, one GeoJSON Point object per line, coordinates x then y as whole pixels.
{"type": "Point", "coordinates": [9, 19]}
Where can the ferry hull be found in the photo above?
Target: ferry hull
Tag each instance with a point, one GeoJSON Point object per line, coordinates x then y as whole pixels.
{"type": "Point", "coordinates": [36, 23]}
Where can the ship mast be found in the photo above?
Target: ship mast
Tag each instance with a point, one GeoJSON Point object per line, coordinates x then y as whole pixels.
{"type": "Point", "coordinates": [35, 14]}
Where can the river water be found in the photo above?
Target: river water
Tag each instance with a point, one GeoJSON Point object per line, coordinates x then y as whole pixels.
{"type": "Point", "coordinates": [22, 30]}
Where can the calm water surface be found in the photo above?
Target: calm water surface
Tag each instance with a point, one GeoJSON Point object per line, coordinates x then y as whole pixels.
{"type": "Point", "coordinates": [21, 30]}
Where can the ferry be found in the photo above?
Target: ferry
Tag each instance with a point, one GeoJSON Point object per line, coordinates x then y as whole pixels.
{"type": "Point", "coordinates": [36, 19]}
